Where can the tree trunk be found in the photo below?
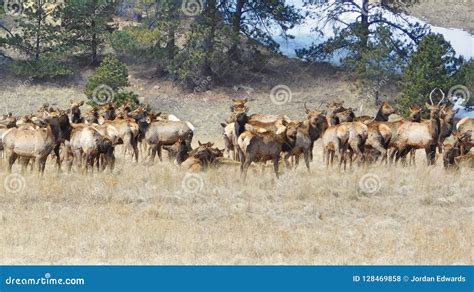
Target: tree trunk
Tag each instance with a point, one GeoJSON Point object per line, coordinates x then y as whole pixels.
{"type": "Point", "coordinates": [210, 13]}
{"type": "Point", "coordinates": [236, 22]}
{"type": "Point", "coordinates": [364, 34]}
{"type": "Point", "coordinates": [39, 14]}
{"type": "Point", "coordinates": [94, 46]}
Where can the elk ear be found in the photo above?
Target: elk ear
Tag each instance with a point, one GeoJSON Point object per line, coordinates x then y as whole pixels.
{"type": "Point", "coordinates": [284, 123]}
{"type": "Point", "coordinates": [223, 125]}
{"type": "Point", "coordinates": [427, 105]}
{"type": "Point", "coordinates": [199, 142]}
{"type": "Point", "coordinates": [81, 103]}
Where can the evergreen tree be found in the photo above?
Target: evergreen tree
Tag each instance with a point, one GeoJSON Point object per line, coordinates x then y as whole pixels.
{"type": "Point", "coordinates": [432, 66]}
{"type": "Point", "coordinates": [89, 22]}
{"type": "Point", "coordinates": [371, 45]}
{"type": "Point", "coordinates": [41, 39]}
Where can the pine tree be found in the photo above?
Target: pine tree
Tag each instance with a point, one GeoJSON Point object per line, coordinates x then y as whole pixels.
{"type": "Point", "coordinates": [41, 39]}
{"type": "Point", "coordinates": [89, 22]}
{"type": "Point", "coordinates": [432, 66]}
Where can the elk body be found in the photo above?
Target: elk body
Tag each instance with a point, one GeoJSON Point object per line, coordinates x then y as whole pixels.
{"type": "Point", "coordinates": [160, 133]}
{"type": "Point", "coordinates": [37, 143]}
{"type": "Point", "coordinates": [424, 135]}
{"type": "Point", "coordinates": [266, 145]}
{"type": "Point", "coordinates": [311, 130]}
{"type": "Point", "coordinates": [89, 145]}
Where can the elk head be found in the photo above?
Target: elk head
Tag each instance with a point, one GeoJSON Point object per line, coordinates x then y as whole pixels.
{"type": "Point", "coordinates": [415, 113]}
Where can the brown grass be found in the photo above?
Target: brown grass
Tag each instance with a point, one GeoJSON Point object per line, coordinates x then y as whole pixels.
{"type": "Point", "coordinates": [161, 215]}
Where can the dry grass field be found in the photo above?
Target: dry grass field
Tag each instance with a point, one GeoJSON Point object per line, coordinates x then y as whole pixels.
{"type": "Point", "coordinates": [159, 214]}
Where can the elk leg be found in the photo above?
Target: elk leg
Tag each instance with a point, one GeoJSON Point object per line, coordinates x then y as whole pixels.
{"type": "Point", "coordinates": [297, 160]}
{"type": "Point", "coordinates": [11, 160]}
{"type": "Point", "coordinates": [311, 147]}
{"type": "Point", "coordinates": [307, 159]}
{"type": "Point", "coordinates": [24, 164]}
{"type": "Point", "coordinates": [430, 154]}
{"type": "Point", "coordinates": [42, 164]}
{"type": "Point", "coordinates": [134, 142]}
{"type": "Point", "coordinates": [276, 162]}
{"type": "Point", "coordinates": [153, 153]}
{"type": "Point", "coordinates": [245, 167]}
{"type": "Point", "coordinates": [287, 162]}
{"type": "Point", "coordinates": [158, 150]}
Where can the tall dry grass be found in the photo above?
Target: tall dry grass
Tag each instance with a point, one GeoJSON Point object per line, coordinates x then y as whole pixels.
{"type": "Point", "coordinates": [159, 214]}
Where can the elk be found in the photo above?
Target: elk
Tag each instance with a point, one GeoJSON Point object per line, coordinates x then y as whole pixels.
{"type": "Point", "coordinates": [311, 130]}
{"type": "Point", "coordinates": [127, 130]}
{"type": "Point", "coordinates": [414, 116]}
{"type": "Point", "coordinates": [88, 143]}
{"type": "Point", "coordinates": [335, 108]}
{"type": "Point", "coordinates": [264, 145]}
{"type": "Point", "coordinates": [201, 158]}
{"type": "Point", "coordinates": [379, 134]}
{"type": "Point", "coordinates": [230, 141]}
{"type": "Point", "coordinates": [74, 112]}
{"type": "Point", "coordinates": [8, 120]}
{"type": "Point", "coordinates": [334, 140]}
{"type": "Point", "coordinates": [159, 133]}
{"type": "Point", "coordinates": [465, 125]}
{"type": "Point", "coordinates": [178, 151]}
{"type": "Point", "coordinates": [382, 115]}
{"type": "Point", "coordinates": [424, 135]}
{"type": "Point", "coordinates": [37, 143]}
{"type": "Point", "coordinates": [457, 145]}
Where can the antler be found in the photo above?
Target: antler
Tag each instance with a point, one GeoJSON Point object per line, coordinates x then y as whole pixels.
{"type": "Point", "coordinates": [305, 107]}
{"type": "Point", "coordinates": [441, 98]}
{"type": "Point", "coordinates": [431, 93]}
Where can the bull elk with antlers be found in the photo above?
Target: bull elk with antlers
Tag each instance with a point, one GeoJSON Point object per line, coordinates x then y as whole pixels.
{"type": "Point", "coordinates": [424, 135]}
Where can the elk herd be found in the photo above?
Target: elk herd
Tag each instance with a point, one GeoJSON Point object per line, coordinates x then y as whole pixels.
{"type": "Point", "coordinates": [88, 141]}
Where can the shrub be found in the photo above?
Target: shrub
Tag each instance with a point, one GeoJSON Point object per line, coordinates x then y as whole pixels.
{"type": "Point", "coordinates": [111, 73]}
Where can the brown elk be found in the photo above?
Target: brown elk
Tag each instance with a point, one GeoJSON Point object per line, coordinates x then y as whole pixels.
{"type": "Point", "coordinates": [74, 112]}
{"type": "Point", "coordinates": [264, 145]}
{"type": "Point", "coordinates": [88, 144]}
{"type": "Point", "coordinates": [203, 157]}
{"type": "Point", "coordinates": [456, 145]}
{"type": "Point", "coordinates": [466, 125]}
{"type": "Point", "coordinates": [424, 135]}
{"type": "Point", "coordinates": [159, 133]}
{"type": "Point", "coordinates": [178, 151]}
{"type": "Point", "coordinates": [37, 143]}
{"type": "Point", "coordinates": [311, 130]}
{"type": "Point", "coordinates": [230, 141]}
{"type": "Point", "coordinates": [382, 115]}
